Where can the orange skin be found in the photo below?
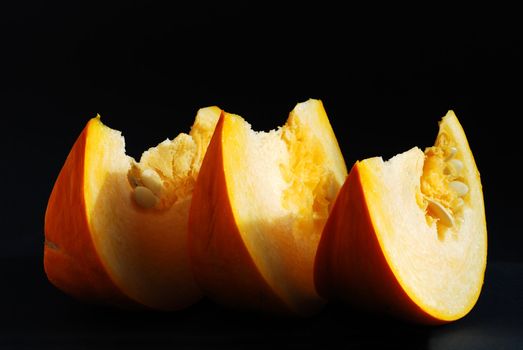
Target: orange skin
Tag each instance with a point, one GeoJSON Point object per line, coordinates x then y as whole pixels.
{"type": "Point", "coordinates": [221, 263]}
{"type": "Point", "coordinates": [70, 258]}
{"type": "Point", "coordinates": [350, 265]}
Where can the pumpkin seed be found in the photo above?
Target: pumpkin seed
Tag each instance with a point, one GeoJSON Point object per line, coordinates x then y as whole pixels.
{"type": "Point", "coordinates": [459, 187]}
{"type": "Point", "coordinates": [152, 181]}
{"type": "Point", "coordinates": [440, 212]}
{"type": "Point", "coordinates": [144, 197]}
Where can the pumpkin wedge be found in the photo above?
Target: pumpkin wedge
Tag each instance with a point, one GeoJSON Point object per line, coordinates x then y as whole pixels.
{"type": "Point", "coordinates": [408, 236]}
{"type": "Point", "coordinates": [116, 229]}
{"type": "Point", "coordinates": [258, 209]}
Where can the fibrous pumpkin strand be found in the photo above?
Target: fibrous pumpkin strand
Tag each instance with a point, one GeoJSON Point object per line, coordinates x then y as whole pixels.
{"type": "Point", "coordinates": [133, 181]}
{"type": "Point", "coordinates": [455, 164]}
{"type": "Point", "coordinates": [457, 204]}
{"type": "Point", "coordinates": [451, 153]}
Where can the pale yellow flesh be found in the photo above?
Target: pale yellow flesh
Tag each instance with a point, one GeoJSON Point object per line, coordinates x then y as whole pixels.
{"type": "Point", "coordinates": [281, 185]}
{"type": "Point", "coordinates": [443, 273]}
{"type": "Point", "coordinates": [144, 250]}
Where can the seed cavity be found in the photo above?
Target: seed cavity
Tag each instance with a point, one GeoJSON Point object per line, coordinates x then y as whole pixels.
{"type": "Point", "coordinates": [152, 181]}
{"type": "Point", "coordinates": [442, 185]}
{"type": "Point", "coordinates": [440, 212]}
{"type": "Point", "coordinates": [144, 197]}
{"type": "Point", "coordinates": [459, 187]}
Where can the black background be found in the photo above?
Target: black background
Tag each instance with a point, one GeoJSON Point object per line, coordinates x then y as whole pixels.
{"type": "Point", "coordinates": [386, 77]}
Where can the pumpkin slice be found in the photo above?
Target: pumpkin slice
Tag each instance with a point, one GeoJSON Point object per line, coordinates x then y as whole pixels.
{"type": "Point", "coordinates": [116, 229]}
{"type": "Point", "coordinates": [259, 207]}
{"type": "Point", "coordinates": [408, 236]}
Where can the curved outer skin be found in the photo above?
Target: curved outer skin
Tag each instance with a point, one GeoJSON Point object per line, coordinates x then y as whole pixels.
{"type": "Point", "coordinates": [71, 261]}
{"type": "Point", "coordinates": [221, 263]}
{"type": "Point", "coordinates": [349, 252]}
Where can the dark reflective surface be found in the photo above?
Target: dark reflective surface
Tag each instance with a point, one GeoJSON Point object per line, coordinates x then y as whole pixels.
{"type": "Point", "coordinates": [35, 314]}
